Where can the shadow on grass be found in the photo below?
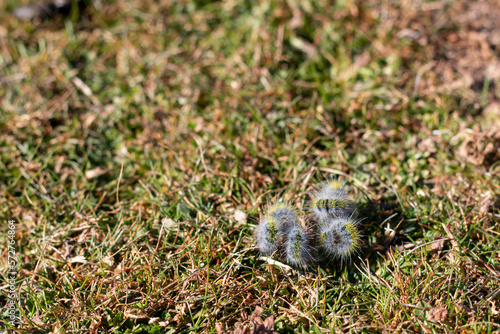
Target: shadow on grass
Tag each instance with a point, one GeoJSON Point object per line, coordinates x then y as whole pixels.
{"type": "Point", "coordinates": [384, 227]}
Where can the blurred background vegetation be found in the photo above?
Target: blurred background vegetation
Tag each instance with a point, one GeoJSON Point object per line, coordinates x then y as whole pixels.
{"type": "Point", "coordinates": [140, 141]}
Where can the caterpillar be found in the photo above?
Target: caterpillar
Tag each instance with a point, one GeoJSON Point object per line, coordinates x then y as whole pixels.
{"type": "Point", "coordinates": [284, 213]}
{"type": "Point", "coordinates": [266, 235]}
{"type": "Point", "coordinates": [298, 249]}
{"type": "Point", "coordinates": [273, 226]}
{"type": "Point", "coordinates": [339, 236]}
{"type": "Point", "coordinates": [332, 200]}
{"type": "Point", "coordinates": [332, 233]}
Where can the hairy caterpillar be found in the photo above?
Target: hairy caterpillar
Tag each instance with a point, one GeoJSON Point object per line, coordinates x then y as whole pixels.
{"type": "Point", "coordinates": [267, 234]}
{"type": "Point", "coordinates": [332, 233]}
{"type": "Point", "coordinates": [273, 226]}
{"type": "Point", "coordinates": [284, 213]}
{"type": "Point", "coordinates": [339, 236]}
{"type": "Point", "coordinates": [332, 200]}
{"type": "Point", "coordinates": [298, 249]}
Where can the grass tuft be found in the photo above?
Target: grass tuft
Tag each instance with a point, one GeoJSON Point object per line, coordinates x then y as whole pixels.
{"type": "Point", "coordinates": [136, 134]}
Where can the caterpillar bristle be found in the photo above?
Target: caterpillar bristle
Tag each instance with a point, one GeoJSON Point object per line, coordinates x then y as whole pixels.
{"type": "Point", "coordinates": [273, 226]}
{"type": "Point", "coordinates": [298, 249]}
{"type": "Point", "coordinates": [267, 235]}
{"type": "Point", "coordinates": [332, 199]}
{"type": "Point", "coordinates": [276, 206]}
{"type": "Point", "coordinates": [329, 232]}
{"type": "Point", "coordinates": [284, 213]}
{"type": "Point", "coordinates": [339, 236]}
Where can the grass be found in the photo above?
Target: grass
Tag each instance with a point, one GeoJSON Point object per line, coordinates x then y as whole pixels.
{"type": "Point", "coordinates": [133, 133]}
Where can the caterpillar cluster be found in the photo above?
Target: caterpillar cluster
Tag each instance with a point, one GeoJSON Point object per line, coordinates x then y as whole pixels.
{"type": "Point", "coordinates": [333, 233]}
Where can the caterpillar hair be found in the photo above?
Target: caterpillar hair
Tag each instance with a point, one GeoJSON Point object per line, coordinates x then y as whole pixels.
{"type": "Point", "coordinates": [284, 213]}
{"type": "Point", "coordinates": [266, 235]}
{"type": "Point", "coordinates": [331, 200]}
{"type": "Point", "coordinates": [298, 249]}
{"type": "Point", "coordinates": [272, 228]}
{"type": "Point", "coordinates": [339, 236]}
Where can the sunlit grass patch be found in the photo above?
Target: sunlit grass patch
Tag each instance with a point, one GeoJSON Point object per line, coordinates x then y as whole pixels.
{"type": "Point", "coordinates": [134, 138]}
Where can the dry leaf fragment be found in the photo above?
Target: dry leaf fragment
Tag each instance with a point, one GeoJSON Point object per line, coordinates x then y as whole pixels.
{"type": "Point", "coordinates": [486, 203]}
{"type": "Point", "coordinates": [262, 327]}
{"type": "Point", "coordinates": [494, 310]}
{"type": "Point", "coordinates": [438, 244]}
{"type": "Point", "coordinates": [108, 260]}
{"type": "Point", "coordinates": [276, 263]}
{"type": "Point", "coordinates": [259, 326]}
{"type": "Point", "coordinates": [482, 147]}
{"type": "Point", "coordinates": [119, 268]}
{"type": "Point", "coordinates": [167, 223]}
{"type": "Point", "coordinates": [78, 259]}
{"type": "Point", "coordinates": [135, 314]}
{"type": "Point", "coordinates": [438, 313]}
{"type": "Point", "coordinates": [220, 328]}
{"type": "Point", "coordinates": [427, 145]}
{"type": "Point", "coordinates": [269, 323]}
{"type": "Point", "coordinates": [255, 317]}
{"type": "Point", "coordinates": [95, 172]}
{"type": "Point", "coordinates": [156, 320]}
{"type": "Point", "coordinates": [242, 329]}
{"type": "Point", "coordinates": [421, 193]}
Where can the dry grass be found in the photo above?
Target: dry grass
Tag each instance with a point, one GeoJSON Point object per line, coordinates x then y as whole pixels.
{"type": "Point", "coordinates": [132, 134]}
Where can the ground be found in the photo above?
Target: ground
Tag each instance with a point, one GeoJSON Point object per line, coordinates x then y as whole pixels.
{"type": "Point", "coordinates": [142, 140]}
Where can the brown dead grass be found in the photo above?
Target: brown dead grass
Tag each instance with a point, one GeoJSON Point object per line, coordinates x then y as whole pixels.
{"type": "Point", "coordinates": [132, 139]}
